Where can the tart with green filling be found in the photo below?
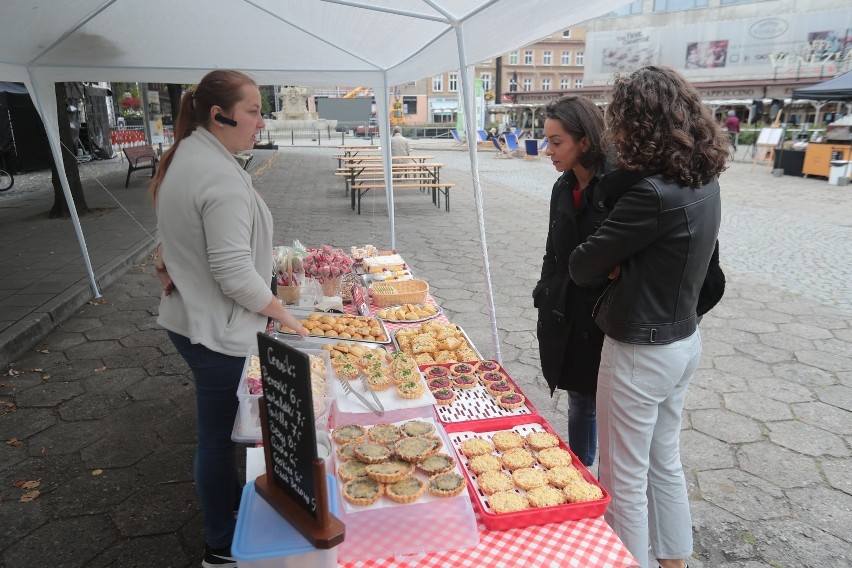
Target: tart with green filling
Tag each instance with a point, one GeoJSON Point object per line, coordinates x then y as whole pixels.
{"type": "Point", "coordinates": [384, 433]}
{"type": "Point", "coordinates": [371, 452]}
{"type": "Point", "coordinates": [363, 491]}
{"type": "Point", "coordinates": [439, 463]}
{"type": "Point", "coordinates": [389, 471]}
{"type": "Point", "coordinates": [447, 484]}
{"type": "Point", "coordinates": [418, 428]}
{"type": "Point", "coordinates": [349, 433]}
{"type": "Point", "coordinates": [346, 452]}
{"type": "Point", "coordinates": [410, 389]}
{"type": "Point", "coordinates": [407, 490]}
{"type": "Point", "coordinates": [417, 449]}
{"type": "Point", "coordinates": [349, 470]}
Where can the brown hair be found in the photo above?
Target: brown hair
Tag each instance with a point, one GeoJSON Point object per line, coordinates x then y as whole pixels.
{"type": "Point", "coordinates": [657, 123]}
{"type": "Point", "coordinates": [222, 88]}
{"type": "Point", "coordinates": [581, 117]}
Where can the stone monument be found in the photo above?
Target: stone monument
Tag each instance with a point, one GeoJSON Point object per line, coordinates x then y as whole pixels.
{"type": "Point", "coordinates": [295, 113]}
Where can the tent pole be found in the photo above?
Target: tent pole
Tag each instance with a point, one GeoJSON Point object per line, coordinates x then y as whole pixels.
{"type": "Point", "coordinates": [470, 127]}
{"type": "Point", "coordinates": [51, 127]}
{"type": "Point", "coordinates": [382, 117]}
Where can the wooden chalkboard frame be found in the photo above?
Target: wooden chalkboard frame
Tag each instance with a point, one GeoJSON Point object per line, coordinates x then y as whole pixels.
{"type": "Point", "coordinates": [294, 483]}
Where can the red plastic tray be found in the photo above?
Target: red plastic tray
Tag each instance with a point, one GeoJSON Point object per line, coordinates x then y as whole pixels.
{"type": "Point", "coordinates": [532, 516]}
{"type": "Point", "coordinates": [477, 404]}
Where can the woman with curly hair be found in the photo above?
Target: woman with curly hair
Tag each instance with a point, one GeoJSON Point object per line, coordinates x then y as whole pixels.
{"type": "Point", "coordinates": [655, 248]}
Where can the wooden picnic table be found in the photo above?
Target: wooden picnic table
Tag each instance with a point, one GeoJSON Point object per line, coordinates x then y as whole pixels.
{"type": "Point", "coordinates": [343, 160]}
{"type": "Point", "coordinates": [426, 176]}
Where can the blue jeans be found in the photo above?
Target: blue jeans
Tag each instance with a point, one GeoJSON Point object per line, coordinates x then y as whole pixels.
{"type": "Point", "coordinates": [216, 379]}
{"type": "Point", "coordinates": [582, 426]}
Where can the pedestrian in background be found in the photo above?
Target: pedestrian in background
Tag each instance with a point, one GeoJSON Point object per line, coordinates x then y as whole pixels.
{"type": "Point", "coordinates": [215, 265]}
{"type": "Point", "coordinates": [732, 125]}
{"type": "Point", "coordinates": [399, 143]}
{"type": "Point", "coordinates": [655, 246]}
{"type": "Point", "coordinates": [568, 338]}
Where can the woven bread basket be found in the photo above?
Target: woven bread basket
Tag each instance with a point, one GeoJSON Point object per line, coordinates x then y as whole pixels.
{"type": "Point", "coordinates": [400, 292]}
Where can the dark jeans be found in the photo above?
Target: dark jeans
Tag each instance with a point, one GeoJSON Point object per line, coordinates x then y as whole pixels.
{"type": "Point", "coordinates": [582, 426]}
{"type": "Point", "coordinates": [216, 379]}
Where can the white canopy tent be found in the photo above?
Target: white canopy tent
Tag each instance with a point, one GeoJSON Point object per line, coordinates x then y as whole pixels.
{"type": "Point", "coordinates": [380, 43]}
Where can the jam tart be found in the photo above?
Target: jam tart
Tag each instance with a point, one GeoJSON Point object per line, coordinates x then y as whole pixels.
{"type": "Point", "coordinates": [436, 371]}
{"type": "Point", "coordinates": [511, 400]}
{"type": "Point", "coordinates": [438, 463]}
{"type": "Point", "coordinates": [384, 433]}
{"type": "Point", "coordinates": [439, 383]}
{"type": "Point", "coordinates": [417, 428]}
{"type": "Point", "coordinates": [407, 490]}
{"type": "Point", "coordinates": [447, 484]}
{"type": "Point", "coordinates": [444, 396]}
{"type": "Point", "coordinates": [371, 452]}
{"type": "Point", "coordinates": [487, 366]}
{"type": "Point", "coordinates": [417, 448]}
{"type": "Point", "coordinates": [465, 381]}
{"type": "Point", "coordinates": [349, 433]}
{"type": "Point", "coordinates": [389, 471]}
{"type": "Point", "coordinates": [363, 491]}
{"type": "Point", "coordinates": [461, 369]}
{"type": "Point", "coordinates": [499, 388]}
{"type": "Point", "coordinates": [492, 376]}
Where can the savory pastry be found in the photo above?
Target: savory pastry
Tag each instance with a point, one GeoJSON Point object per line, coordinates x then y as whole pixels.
{"type": "Point", "coordinates": [541, 440]}
{"type": "Point", "coordinates": [389, 471]}
{"type": "Point", "coordinates": [346, 452]}
{"type": "Point", "coordinates": [444, 396]}
{"type": "Point", "coordinates": [410, 389]}
{"type": "Point", "coordinates": [348, 371]}
{"type": "Point", "coordinates": [402, 374]}
{"type": "Point", "coordinates": [528, 478]}
{"type": "Point", "coordinates": [371, 452]}
{"type": "Point", "coordinates": [446, 484]}
{"type": "Point", "coordinates": [417, 448]}
{"type": "Point", "coordinates": [476, 447]}
{"type": "Point", "coordinates": [511, 401]}
{"type": "Point", "coordinates": [379, 380]}
{"type": "Point", "coordinates": [417, 428]}
{"type": "Point", "coordinates": [581, 491]}
{"type": "Point", "coordinates": [483, 463]}
{"type": "Point", "coordinates": [384, 433]}
{"type": "Point", "coordinates": [461, 369]}
{"type": "Point", "coordinates": [494, 481]}
{"type": "Point", "coordinates": [507, 440]}
{"type": "Point", "coordinates": [439, 463]}
{"type": "Point", "coordinates": [546, 496]}
{"type": "Point", "coordinates": [516, 458]}
{"type": "Point", "coordinates": [407, 490]}
{"type": "Point", "coordinates": [349, 470]}
{"type": "Point", "coordinates": [362, 491]}
{"type": "Point", "coordinates": [499, 388]}
{"type": "Point", "coordinates": [508, 502]}
{"type": "Point", "coordinates": [349, 433]}
{"type": "Point", "coordinates": [465, 381]}
{"type": "Point", "coordinates": [553, 457]}
{"type": "Point", "coordinates": [560, 476]}
{"type": "Point", "coordinates": [486, 366]}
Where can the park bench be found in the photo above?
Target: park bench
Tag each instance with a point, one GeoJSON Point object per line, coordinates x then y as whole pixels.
{"type": "Point", "coordinates": [140, 158]}
{"type": "Point", "coordinates": [436, 189]}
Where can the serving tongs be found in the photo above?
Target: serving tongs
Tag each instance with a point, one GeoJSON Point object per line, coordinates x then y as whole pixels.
{"type": "Point", "coordinates": [377, 409]}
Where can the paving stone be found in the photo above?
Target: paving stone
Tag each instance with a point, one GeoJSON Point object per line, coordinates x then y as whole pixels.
{"type": "Point", "coordinates": [783, 391]}
{"type": "Point", "coordinates": [90, 494]}
{"type": "Point", "coordinates": [735, 337]}
{"type": "Point", "coordinates": [79, 324]}
{"type": "Point", "coordinates": [838, 472]}
{"type": "Point", "coordinates": [756, 406]}
{"type": "Point", "coordinates": [131, 357]}
{"type": "Point", "coordinates": [72, 541]}
{"type": "Point", "coordinates": [150, 338]}
{"type": "Point", "coordinates": [802, 374]}
{"type": "Point", "coordinates": [48, 394]}
{"type": "Point", "coordinates": [159, 550]}
{"type": "Point", "coordinates": [769, 315]}
{"type": "Point", "coordinates": [156, 510]}
{"type": "Point", "coordinates": [173, 387]}
{"type": "Point", "coordinates": [711, 348]}
{"type": "Point", "coordinates": [829, 510]}
{"type": "Point", "coordinates": [807, 439]}
{"type": "Point", "coordinates": [838, 347]}
{"type": "Point", "coordinates": [168, 463]}
{"type": "Point", "coordinates": [725, 425]}
{"type": "Point", "coordinates": [752, 325]}
{"type": "Point", "coordinates": [786, 341]}
{"type": "Point", "coordinates": [824, 416]}
{"type": "Point", "coordinates": [745, 495]}
{"type": "Point", "coordinates": [805, 331]}
{"type": "Point", "coordinates": [51, 470]}
{"type": "Point", "coordinates": [92, 350]}
{"type": "Point", "coordinates": [765, 353]}
{"type": "Point", "coordinates": [27, 422]}
{"type": "Point", "coordinates": [700, 452]}
{"type": "Point", "coordinates": [61, 340]}
{"type": "Point", "coordinates": [824, 321]}
{"type": "Point", "coordinates": [789, 542]}
{"type": "Point", "coordinates": [38, 360]}
{"type": "Point", "coordinates": [167, 365]}
{"type": "Point", "coordinates": [719, 381]}
{"type": "Point", "coordinates": [111, 330]}
{"type": "Point", "coordinates": [18, 519]}
{"type": "Point", "coordinates": [92, 406]}
{"type": "Point", "coordinates": [746, 368]}
{"type": "Point", "coordinates": [825, 360]}
{"type": "Point", "coordinates": [718, 535]}
{"type": "Point", "coordinates": [778, 465]}
{"type": "Point", "coordinates": [10, 457]}
{"type": "Point", "coordinates": [112, 381]}
{"type": "Point", "coordinates": [65, 438]}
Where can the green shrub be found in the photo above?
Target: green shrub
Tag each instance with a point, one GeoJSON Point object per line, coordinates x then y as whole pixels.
{"type": "Point", "coordinates": [747, 137]}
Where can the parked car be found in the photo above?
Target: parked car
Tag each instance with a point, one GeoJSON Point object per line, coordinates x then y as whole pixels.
{"type": "Point", "coordinates": [373, 128]}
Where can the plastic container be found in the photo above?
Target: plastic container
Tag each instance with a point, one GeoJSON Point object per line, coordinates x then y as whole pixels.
{"type": "Point", "coordinates": [532, 516]}
{"type": "Point", "coordinates": [838, 169]}
{"type": "Point", "coordinates": [247, 425]}
{"type": "Point", "coordinates": [264, 539]}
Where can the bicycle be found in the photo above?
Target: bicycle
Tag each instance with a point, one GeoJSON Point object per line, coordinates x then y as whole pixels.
{"type": "Point", "coordinates": [7, 180]}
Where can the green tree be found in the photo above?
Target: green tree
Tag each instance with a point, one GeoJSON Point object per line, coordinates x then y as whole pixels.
{"type": "Point", "coordinates": [69, 163]}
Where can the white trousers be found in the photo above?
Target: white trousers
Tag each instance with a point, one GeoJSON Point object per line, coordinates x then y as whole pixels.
{"type": "Point", "coordinates": [639, 403]}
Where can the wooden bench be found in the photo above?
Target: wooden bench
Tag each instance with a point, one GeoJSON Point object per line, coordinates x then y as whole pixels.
{"type": "Point", "coordinates": [140, 158]}
{"type": "Point", "coordinates": [435, 188]}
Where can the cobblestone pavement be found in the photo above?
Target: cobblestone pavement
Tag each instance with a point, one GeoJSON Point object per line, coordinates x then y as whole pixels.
{"type": "Point", "coordinates": [102, 409]}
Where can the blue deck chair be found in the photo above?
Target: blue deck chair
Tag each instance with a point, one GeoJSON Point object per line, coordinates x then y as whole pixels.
{"type": "Point", "coordinates": [457, 138]}
{"type": "Point", "coordinates": [542, 146]}
{"type": "Point", "coordinates": [512, 144]}
{"type": "Point", "coordinates": [483, 136]}
{"type": "Point", "coordinates": [531, 146]}
{"type": "Point", "coordinates": [502, 151]}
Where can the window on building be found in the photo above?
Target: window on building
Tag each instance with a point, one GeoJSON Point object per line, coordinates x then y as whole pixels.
{"type": "Point", "coordinates": [730, 2]}
{"type": "Point", "coordinates": [528, 57]}
{"type": "Point", "coordinates": [547, 58]}
{"type": "Point", "coordinates": [545, 84]}
{"type": "Point", "coordinates": [566, 33]}
{"type": "Point", "coordinates": [486, 81]}
{"type": "Point", "coordinates": [676, 5]}
{"type": "Point", "coordinates": [438, 83]}
{"type": "Point", "coordinates": [453, 83]}
{"type": "Point", "coordinates": [629, 10]}
{"type": "Point", "coordinates": [564, 83]}
{"type": "Point", "coordinates": [443, 116]}
{"type": "Point", "coordinates": [528, 84]}
{"type": "Point", "coordinates": [566, 58]}
{"type": "Point", "coordinates": [578, 83]}
{"type": "Point", "coordinates": [578, 59]}
{"type": "Point", "coordinates": [409, 105]}
{"type": "Point", "coordinates": [513, 58]}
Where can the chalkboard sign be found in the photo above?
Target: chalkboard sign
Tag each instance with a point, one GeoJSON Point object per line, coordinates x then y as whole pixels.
{"type": "Point", "coordinates": [292, 445]}
{"type": "Point", "coordinates": [770, 136]}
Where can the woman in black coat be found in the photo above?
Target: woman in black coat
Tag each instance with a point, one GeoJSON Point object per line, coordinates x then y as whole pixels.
{"type": "Point", "coordinates": [569, 340]}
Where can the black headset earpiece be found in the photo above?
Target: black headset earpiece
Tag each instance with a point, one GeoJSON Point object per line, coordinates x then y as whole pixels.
{"type": "Point", "coordinates": [224, 119]}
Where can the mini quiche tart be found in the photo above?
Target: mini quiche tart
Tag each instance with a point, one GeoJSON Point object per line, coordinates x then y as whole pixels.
{"type": "Point", "coordinates": [498, 388]}
{"type": "Point", "coordinates": [417, 449]}
{"type": "Point", "coordinates": [436, 371]}
{"type": "Point", "coordinates": [446, 484]}
{"type": "Point", "coordinates": [529, 478]}
{"type": "Point", "coordinates": [402, 374]}
{"type": "Point", "coordinates": [349, 470]}
{"type": "Point", "coordinates": [410, 389]}
{"type": "Point", "coordinates": [439, 383]}
{"type": "Point", "coordinates": [494, 481]}
{"type": "Point", "coordinates": [553, 457]}
{"type": "Point", "coordinates": [384, 433]}
{"type": "Point", "coordinates": [417, 428]}
{"type": "Point", "coordinates": [511, 401]}
{"type": "Point", "coordinates": [346, 452]}
{"type": "Point", "coordinates": [491, 377]}
{"type": "Point", "coordinates": [541, 440]}
{"type": "Point", "coordinates": [508, 502]}
{"type": "Point", "coordinates": [349, 371]}
{"type": "Point", "coordinates": [389, 471]}
{"type": "Point", "coordinates": [487, 366]}
{"type": "Point", "coordinates": [378, 379]}
{"type": "Point", "coordinates": [476, 447]}
{"type": "Point", "coordinates": [465, 381]}
{"type": "Point", "coordinates": [371, 452]}
{"type": "Point", "coordinates": [407, 490]}
{"type": "Point", "coordinates": [516, 458]}
{"type": "Point", "coordinates": [487, 462]}
{"type": "Point", "coordinates": [349, 433]}
{"type": "Point", "coordinates": [439, 463]}
{"type": "Point", "coordinates": [444, 396]}
{"type": "Point", "coordinates": [507, 439]}
{"type": "Point", "coordinates": [461, 369]}
{"type": "Point", "coordinates": [362, 491]}
{"type": "Point", "coordinates": [546, 496]}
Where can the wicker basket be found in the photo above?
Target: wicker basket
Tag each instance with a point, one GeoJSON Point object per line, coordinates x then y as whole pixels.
{"type": "Point", "coordinates": [400, 292]}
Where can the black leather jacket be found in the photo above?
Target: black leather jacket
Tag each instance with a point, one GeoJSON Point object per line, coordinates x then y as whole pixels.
{"type": "Point", "coordinates": [662, 236]}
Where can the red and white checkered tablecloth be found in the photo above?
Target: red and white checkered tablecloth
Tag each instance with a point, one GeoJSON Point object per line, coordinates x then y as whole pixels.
{"type": "Point", "coordinates": [587, 543]}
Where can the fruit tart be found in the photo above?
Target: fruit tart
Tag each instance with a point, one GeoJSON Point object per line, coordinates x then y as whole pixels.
{"type": "Point", "coordinates": [447, 484]}
{"type": "Point", "coordinates": [511, 401]}
{"type": "Point", "coordinates": [362, 491]}
{"type": "Point", "coordinates": [436, 371]}
{"type": "Point", "coordinates": [444, 396]}
{"type": "Point", "coordinates": [498, 388]}
{"type": "Point", "coordinates": [407, 490]}
{"type": "Point", "coordinates": [465, 381]}
{"type": "Point", "coordinates": [492, 376]}
{"type": "Point", "coordinates": [439, 383]}
{"type": "Point", "coordinates": [487, 366]}
{"type": "Point", "coordinates": [461, 369]}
